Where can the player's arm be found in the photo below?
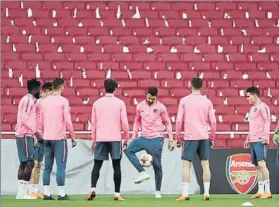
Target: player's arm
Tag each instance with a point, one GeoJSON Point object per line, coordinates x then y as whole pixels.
{"type": "Point", "coordinates": [212, 121]}
{"type": "Point", "coordinates": [265, 113]}
{"type": "Point", "coordinates": [124, 121]}
{"type": "Point", "coordinates": [27, 108]}
{"type": "Point", "coordinates": [39, 130]}
{"type": "Point", "coordinates": [275, 137]}
{"type": "Point", "coordinates": [136, 123]}
{"type": "Point", "coordinates": [41, 120]}
{"type": "Point", "coordinates": [93, 123]}
{"type": "Point", "coordinates": [179, 120]}
{"type": "Point", "coordinates": [167, 122]}
{"type": "Point", "coordinates": [68, 119]}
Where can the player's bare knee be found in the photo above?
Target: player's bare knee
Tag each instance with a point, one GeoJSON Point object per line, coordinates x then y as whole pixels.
{"type": "Point", "coordinates": [36, 164]}
{"type": "Point", "coordinates": [205, 164]}
{"type": "Point", "coordinates": [186, 164]}
{"type": "Point", "coordinates": [261, 164]}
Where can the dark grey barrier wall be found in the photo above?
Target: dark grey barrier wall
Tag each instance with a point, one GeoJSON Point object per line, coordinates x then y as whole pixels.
{"type": "Point", "coordinates": [219, 181]}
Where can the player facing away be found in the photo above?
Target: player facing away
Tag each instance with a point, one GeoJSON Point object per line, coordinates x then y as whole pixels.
{"type": "Point", "coordinates": [197, 114]}
{"type": "Point", "coordinates": [39, 147]}
{"type": "Point", "coordinates": [151, 115]}
{"type": "Point", "coordinates": [109, 116]}
{"type": "Point", "coordinates": [258, 140]}
{"type": "Point", "coordinates": [275, 139]}
{"type": "Point", "coordinates": [25, 131]}
{"type": "Point", "coordinates": [55, 118]}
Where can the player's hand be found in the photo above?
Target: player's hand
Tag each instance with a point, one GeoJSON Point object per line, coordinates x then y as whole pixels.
{"type": "Point", "coordinates": [35, 142]}
{"type": "Point", "coordinates": [126, 144]}
{"type": "Point", "coordinates": [179, 140]}
{"type": "Point", "coordinates": [275, 137]}
{"type": "Point", "coordinates": [171, 144]}
{"type": "Point", "coordinates": [39, 136]}
{"type": "Point", "coordinates": [264, 141]}
{"type": "Point", "coordinates": [93, 146]}
{"type": "Point", "coordinates": [246, 144]}
{"type": "Point", "coordinates": [74, 143]}
{"type": "Point", "coordinates": [179, 143]}
{"type": "Point", "coordinates": [212, 143]}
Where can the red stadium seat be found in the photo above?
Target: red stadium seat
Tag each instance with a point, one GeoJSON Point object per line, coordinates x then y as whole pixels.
{"type": "Point", "coordinates": [169, 43]}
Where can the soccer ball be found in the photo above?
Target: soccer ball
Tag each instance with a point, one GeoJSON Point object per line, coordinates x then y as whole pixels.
{"type": "Point", "coordinates": [146, 160]}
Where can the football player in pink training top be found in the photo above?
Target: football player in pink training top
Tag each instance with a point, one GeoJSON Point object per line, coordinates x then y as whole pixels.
{"type": "Point", "coordinates": [197, 113]}
{"type": "Point", "coordinates": [275, 139]}
{"type": "Point", "coordinates": [258, 140]}
{"type": "Point", "coordinates": [39, 148]}
{"type": "Point", "coordinates": [25, 131]}
{"type": "Point", "coordinates": [55, 118]}
{"type": "Point", "coordinates": [152, 116]}
{"type": "Point", "coordinates": [109, 116]}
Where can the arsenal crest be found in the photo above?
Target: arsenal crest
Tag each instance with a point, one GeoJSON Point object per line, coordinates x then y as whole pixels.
{"type": "Point", "coordinates": [241, 173]}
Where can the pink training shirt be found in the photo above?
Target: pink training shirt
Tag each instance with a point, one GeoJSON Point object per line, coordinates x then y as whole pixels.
{"type": "Point", "coordinates": [197, 113]}
{"type": "Point", "coordinates": [37, 107]}
{"type": "Point", "coordinates": [108, 117]}
{"type": "Point", "coordinates": [277, 127]}
{"type": "Point", "coordinates": [26, 117]}
{"type": "Point", "coordinates": [55, 117]}
{"type": "Point", "coordinates": [259, 122]}
{"type": "Point", "coordinates": [152, 119]}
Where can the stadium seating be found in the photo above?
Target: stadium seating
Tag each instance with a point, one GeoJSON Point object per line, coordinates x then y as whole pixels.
{"type": "Point", "coordinates": [232, 45]}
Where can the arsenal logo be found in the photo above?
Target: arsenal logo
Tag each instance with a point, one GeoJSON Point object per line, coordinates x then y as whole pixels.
{"type": "Point", "coordinates": [241, 173]}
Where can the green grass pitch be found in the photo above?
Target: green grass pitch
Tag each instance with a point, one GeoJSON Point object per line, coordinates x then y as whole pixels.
{"type": "Point", "coordinates": [217, 200]}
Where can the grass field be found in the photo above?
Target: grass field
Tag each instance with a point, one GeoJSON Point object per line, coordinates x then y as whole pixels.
{"type": "Point", "coordinates": [144, 200]}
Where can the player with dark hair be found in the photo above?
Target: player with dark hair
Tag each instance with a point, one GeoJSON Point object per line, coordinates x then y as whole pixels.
{"type": "Point", "coordinates": [39, 148]}
{"type": "Point", "coordinates": [25, 131]}
{"type": "Point", "coordinates": [197, 113]}
{"type": "Point", "coordinates": [258, 140]}
{"type": "Point", "coordinates": [55, 118]}
{"type": "Point", "coordinates": [152, 116]}
{"type": "Point", "coordinates": [109, 116]}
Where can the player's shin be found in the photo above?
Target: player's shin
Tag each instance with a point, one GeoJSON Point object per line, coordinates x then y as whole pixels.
{"type": "Point", "coordinates": [27, 175]}
{"type": "Point", "coordinates": [265, 173]}
{"type": "Point", "coordinates": [20, 177]}
{"type": "Point", "coordinates": [206, 176]}
{"type": "Point", "coordinates": [117, 176]}
{"type": "Point", "coordinates": [260, 180]}
{"type": "Point", "coordinates": [185, 177]}
{"type": "Point", "coordinates": [96, 173]}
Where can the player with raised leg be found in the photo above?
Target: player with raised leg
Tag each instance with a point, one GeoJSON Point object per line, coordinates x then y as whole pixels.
{"type": "Point", "coordinates": [55, 118]}
{"type": "Point", "coordinates": [258, 140]}
{"type": "Point", "coordinates": [109, 116]}
{"type": "Point", "coordinates": [39, 148]}
{"type": "Point", "coordinates": [151, 115]}
{"type": "Point", "coordinates": [197, 113]}
{"type": "Point", "coordinates": [25, 131]}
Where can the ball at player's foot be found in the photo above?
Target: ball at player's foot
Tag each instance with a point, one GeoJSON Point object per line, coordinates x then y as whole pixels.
{"type": "Point", "coordinates": [146, 160]}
